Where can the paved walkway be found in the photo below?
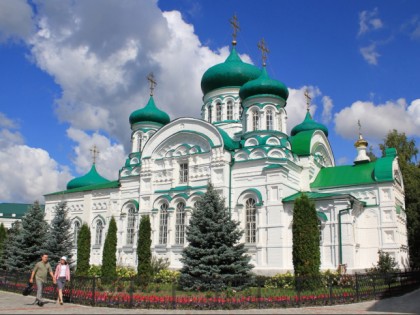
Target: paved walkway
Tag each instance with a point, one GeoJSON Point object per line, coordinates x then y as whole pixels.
{"type": "Point", "coordinates": [13, 303]}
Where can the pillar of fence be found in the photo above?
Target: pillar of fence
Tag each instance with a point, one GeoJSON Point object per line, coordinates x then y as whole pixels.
{"type": "Point", "coordinates": [298, 289]}
{"type": "Point", "coordinates": [259, 284]}
{"type": "Point", "coordinates": [71, 289]}
{"type": "Point", "coordinates": [374, 287]}
{"type": "Point", "coordinates": [131, 291]}
{"type": "Point", "coordinates": [93, 290]}
{"type": "Point", "coordinates": [174, 295]}
{"type": "Point", "coordinates": [330, 287]}
{"type": "Point", "coordinates": [357, 287]}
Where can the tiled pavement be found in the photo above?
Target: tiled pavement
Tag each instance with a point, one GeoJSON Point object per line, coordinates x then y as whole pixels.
{"type": "Point", "coordinates": [12, 303]}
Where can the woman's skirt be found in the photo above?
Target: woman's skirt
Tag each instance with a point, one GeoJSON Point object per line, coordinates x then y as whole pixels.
{"type": "Point", "coordinates": [60, 282]}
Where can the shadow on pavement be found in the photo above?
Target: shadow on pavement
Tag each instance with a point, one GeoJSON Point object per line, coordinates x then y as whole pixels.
{"type": "Point", "coordinates": [408, 303]}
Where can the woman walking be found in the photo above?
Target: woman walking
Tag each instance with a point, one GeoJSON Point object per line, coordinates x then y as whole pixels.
{"type": "Point", "coordinates": [62, 274]}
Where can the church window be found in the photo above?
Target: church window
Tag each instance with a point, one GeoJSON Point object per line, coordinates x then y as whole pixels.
{"type": "Point", "coordinates": [76, 230]}
{"type": "Point", "coordinates": [183, 173]}
{"type": "Point", "coordinates": [99, 232]}
{"type": "Point", "coordinates": [163, 224]}
{"type": "Point", "coordinates": [210, 114]}
{"type": "Point", "coordinates": [320, 230]}
{"type": "Point", "coordinates": [218, 112]}
{"type": "Point", "coordinates": [180, 223]}
{"type": "Point", "coordinates": [269, 119]}
{"type": "Point", "coordinates": [131, 223]}
{"type": "Point", "coordinates": [229, 110]}
{"type": "Point", "coordinates": [139, 142]}
{"type": "Point", "coordinates": [255, 120]}
{"type": "Point", "coordinates": [251, 221]}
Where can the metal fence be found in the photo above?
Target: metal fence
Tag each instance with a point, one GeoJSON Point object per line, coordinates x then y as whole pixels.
{"type": "Point", "coordinates": [237, 293]}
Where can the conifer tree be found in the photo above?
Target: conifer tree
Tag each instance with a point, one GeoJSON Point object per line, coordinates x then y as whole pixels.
{"type": "Point", "coordinates": [29, 244]}
{"type": "Point", "coordinates": [214, 256]}
{"type": "Point", "coordinates": [109, 257]}
{"type": "Point", "coordinates": [3, 239]}
{"type": "Point", "coordinates": [12, 251]}
{"type": "Point", "coordinates": [83, 251]}
{"type": "Point", "coordinates": [144, 251]}
{"type": "Point", "coordinates": [305, 251]}
{"type": "Point", "coordinates": [60, 239]}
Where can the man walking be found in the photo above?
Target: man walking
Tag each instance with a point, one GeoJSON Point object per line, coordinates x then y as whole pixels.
{"type": "Point", "coordinates": [40, 273]}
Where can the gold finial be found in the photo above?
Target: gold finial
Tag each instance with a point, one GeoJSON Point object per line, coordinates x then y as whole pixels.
{"type": "Point", "coordinates": [152, 82]}
{"type": "Point", "coordinates": [95, 153]}
{"type": "Point", "coordinates": [264, 50]}
{"type": "Point", "coordinates": [235, 25]}
{"type": "Point", "coordinates": [308, 100]}
{"type": "Point", "coordinates": [360, 141]}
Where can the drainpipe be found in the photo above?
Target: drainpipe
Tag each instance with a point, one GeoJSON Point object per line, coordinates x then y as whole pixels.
{"type": "Point", "coordinates": [340, 242]}
{"type": "Point", "coordinates": [232, 161]}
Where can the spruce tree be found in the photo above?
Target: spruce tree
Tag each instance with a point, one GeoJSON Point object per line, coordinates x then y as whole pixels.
{"type": "Point", "coordinates": [11, 255]}
{"type": "Point", "coordinates": [214, 256]}
{"type": "Point", "coordinates": [144, 251]}
{"type": "Point", "coordinates": [59, 241]}
{"type": "Point", "coordinates": [306, 253]}
{"type": "Point", "coordinates": [109, 257]}
{"type": "Point", "coordinates": [83, 251]}
{"type": "Point", "coordinates": [29, 245]}
{"type": "Point", "coordinates": [3, 238]}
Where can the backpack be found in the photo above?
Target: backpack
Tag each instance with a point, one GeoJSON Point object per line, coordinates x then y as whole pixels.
{"type": "Point", "coordinates": [28, 289]}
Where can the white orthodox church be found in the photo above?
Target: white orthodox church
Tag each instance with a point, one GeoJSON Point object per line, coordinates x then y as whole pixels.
{"type": "Point", "coordinates": [240, 144]}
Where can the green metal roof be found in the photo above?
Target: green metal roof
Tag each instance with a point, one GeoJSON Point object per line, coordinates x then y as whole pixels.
{"type": "Point", "coordinates": [112, 184]}
{"type": "Point", "coordinates": [301, 142]}
{"type": "Point", "coordinates": [312, 195]}
{"type": "Point", "coordinates": [91, 178]}
{"type": "Point", "coordinates": [358, 174]}
{"type": "Point", "coordinates": [15, 210]}
{"type": "Point", "coordinates": [229, 143]}
{"type": "Point", "coordinates": [232, 72]}
{"type": "Point", "coordinates": [309, 124]}
{"type": "Point", "coordinates": [322, 216]}
{"type": "Point", "coordinates": [264, 85]}
{"type": "Point", "coordinates": [150, 113]}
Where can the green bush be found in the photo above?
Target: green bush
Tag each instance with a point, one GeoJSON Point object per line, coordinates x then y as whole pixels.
{"type": "Point", "coordinates": [158, 264]}
{"type": "Point", "coordinates": [166, 276]}
{"type": "Point", "coordinates": [280, 280]}
{"type": "Point", "coordinates": [386, 264]}
{"type": "Point", "coordinates": [125, 272]}
{"type": "Point", "coordinates": [95, 271]}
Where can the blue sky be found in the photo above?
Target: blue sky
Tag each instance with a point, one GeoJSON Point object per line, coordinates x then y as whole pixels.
{"type": "Point", "coordinates": [73, 71]}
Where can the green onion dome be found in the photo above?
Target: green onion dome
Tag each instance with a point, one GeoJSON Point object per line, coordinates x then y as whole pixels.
{"type": "Point", "coordinates": [309, 124]}
{"type": "Point", "coordinates": [91, 178]}
{"type": "Point", "coordinates": [232, 72]}
{"type": "Point", "coordinates": [149, 113]}
{"type": "Point", "coordinates": [264, 85]}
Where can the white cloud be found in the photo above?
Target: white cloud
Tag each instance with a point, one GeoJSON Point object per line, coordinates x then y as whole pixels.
{"type": "Point", "coordinates": [111, 155]}
{"type": "Point", "coordinates": [8, 135]}
{"type": "Point", "coordinates": [378, 120]}
{"type": "Point", "coordinates": [370, 54]}
{"type": "Point", "coordinates": [15, 19]}
{"type": "Point", "coordinates": [368, 21]}
{"type": "Point", "coordinates": [327, 106]}
{"type": "Point", "coordinates": [26, 174]}
{"type": "Point", "coordinates": [296, 105]}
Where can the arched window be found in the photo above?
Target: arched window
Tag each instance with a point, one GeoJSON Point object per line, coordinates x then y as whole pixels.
{"type": "Point", "coordinates": [139, 142]}
{"type": "Point", "coordinates": [218, 112]}
{"type": "Point", "coordinates": [251, 221]}
{"type": "Point", "coordinates": [210, 114]}
{"type": "Point", "coordinates": [99, 232]}
{"type": "Point", "coordinates": [229, 110]}
{"type": "Point", "coordinates": [76, 230]}
{"type": "Point", "coordinates": [163, 224]}
{"type": "Point", "coordinates": [240, 111]}
{"type": "Point", "coordinates": [180, 223]}
{"type": "Point", "coordinates": [320, 230]}
{"type": "Point", "coordinates": [131, 224]}
{"type": "Point", "coordinates": [255, 120]}
{"type": "Point", "coordinates": [269, 119]}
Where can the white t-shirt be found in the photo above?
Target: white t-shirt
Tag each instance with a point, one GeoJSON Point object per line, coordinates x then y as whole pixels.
{"type": "Point", "coordinates": [63, 270]}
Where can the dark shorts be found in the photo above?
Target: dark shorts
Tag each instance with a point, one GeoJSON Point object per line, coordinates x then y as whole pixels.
{"type": "Point", "coordinates": [60, 282]}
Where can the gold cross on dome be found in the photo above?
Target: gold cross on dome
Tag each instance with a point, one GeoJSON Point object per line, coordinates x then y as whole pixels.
{"type": "Point", "coordinates": [95, 153]}
{"type": "Point", "coordinates": [264, 50]}
{"type": "Point", "coordinates": [308, 100]}
{"type": "Point", "coordinates": [235, 25]}
{"type": "Point", "coordinates": [360, 127]}
{"type": "Point", "coordinates": [152, 82]}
